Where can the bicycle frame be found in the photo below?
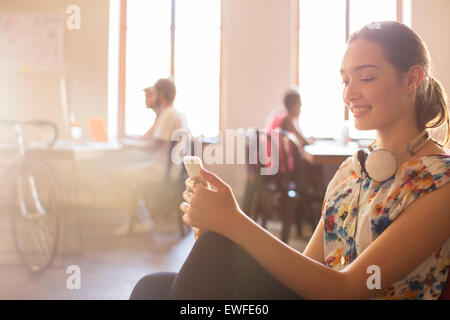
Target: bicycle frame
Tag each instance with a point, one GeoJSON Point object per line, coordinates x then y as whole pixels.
{"type": "Point", "coordinates": [38, 210]}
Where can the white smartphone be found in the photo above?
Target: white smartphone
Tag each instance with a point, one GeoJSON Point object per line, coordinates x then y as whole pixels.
{"type": "Point", "coordinates": [193, 165]}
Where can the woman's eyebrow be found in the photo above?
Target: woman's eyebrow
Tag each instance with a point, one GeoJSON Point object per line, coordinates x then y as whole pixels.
{"type": "Point", "coordinates": [360, 67]}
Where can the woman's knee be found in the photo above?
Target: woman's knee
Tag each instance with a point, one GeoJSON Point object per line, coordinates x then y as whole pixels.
{"type": "Point", "coordinates": [211, 250]}
{"type": "Point", "coordinates": [213, 240]}
{"type": "Point", "coordinates": [153, 286]}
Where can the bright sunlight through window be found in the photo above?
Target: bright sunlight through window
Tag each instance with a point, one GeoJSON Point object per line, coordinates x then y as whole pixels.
{"type": "Point", "coordinates": [322, 42]}
{"type": "Point", "coordinates": [196, 61]}
{"type": "Point", "coordinates": [148, 58]}
{"type": "Point", "coordinates": [197, 64]}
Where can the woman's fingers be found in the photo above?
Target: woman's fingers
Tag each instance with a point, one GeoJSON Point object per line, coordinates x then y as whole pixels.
{"type": "Point", "coordinates": [193, 185]}
{"type": "Point", "coordinates": [184, 206]}
{"type": "Point", "coordinates": [192, 198]}
{"type": "Point", "coordinates": [189, 183]}
{"type": "Point", "coordinates": [196, 188]}
{"type": "Point", "coordinates": [196, 232]}
{"type": "Point", "coordinates": [213, 179]}
{"type": "Point", "coordinates": [187, 196]}
{"type": "Point", "coordinates": [186, 219]}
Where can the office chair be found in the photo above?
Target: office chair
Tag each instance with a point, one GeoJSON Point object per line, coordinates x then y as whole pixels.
{"type": "Point", "coordinates": [281, 194]}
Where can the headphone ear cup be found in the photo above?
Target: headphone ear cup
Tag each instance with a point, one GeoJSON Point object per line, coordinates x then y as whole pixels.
{"type": "Point", "coordinates": [381, 165]}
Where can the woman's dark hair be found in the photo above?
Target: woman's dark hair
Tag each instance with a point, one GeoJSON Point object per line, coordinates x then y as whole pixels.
{"type": "Point", "coordinates": [404, 48]}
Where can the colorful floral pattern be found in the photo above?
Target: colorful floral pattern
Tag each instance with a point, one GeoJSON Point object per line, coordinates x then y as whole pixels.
{"type": "Point", "coordinates": [377, 205]}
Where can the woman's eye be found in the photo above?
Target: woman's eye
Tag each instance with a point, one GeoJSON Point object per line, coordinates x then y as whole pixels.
{"type": "Point", "coordinates": [367, 79]}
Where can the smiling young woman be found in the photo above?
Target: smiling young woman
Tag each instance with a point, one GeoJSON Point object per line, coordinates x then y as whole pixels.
{"type": "Point", "coordinates": [400, 226]}
{"type": "Point", "coordinates": [388, 84]}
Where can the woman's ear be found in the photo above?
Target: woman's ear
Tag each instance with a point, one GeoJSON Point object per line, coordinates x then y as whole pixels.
{"type": "Point", "coordinates": [413, 78]}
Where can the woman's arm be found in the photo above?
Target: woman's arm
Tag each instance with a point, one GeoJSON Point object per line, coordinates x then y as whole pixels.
{"type": "Point", "coordinates": [315, 249]}
{"type": "Point", "coordinates": [418, 232]}
{"type": "Point", "coordinates": [304, 275]}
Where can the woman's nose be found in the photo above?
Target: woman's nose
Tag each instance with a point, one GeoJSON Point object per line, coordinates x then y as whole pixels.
{"type": "Point", "coordinates": [351, 93]}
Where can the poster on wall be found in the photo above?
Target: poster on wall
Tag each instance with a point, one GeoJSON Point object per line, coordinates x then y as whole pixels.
{"type": "Point", "coordinates": [31, 42]}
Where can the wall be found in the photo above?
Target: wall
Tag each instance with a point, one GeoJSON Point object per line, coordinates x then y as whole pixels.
{"type": "Point", "coordinates": [430, 20]}
{"type": "Point", "coordinates": [37, 95]}
{"type": "Point", "coordinates": [256, 59]}
{"type": "Point", "coordinates": [33, 95]}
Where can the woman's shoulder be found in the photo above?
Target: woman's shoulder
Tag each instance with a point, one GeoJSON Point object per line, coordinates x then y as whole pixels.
{"type": "Point", "coordinates": [346, 169]}
{"type": "Point", "coordinates": [418, 178]}
{"type": "Point", "coordinates": [345, 175]}
{"type": "Point", "coordinates": [435, 167]}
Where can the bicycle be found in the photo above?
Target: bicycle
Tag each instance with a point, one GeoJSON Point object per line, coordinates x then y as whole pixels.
{"type": "Point", "coordinates": [35, 210]}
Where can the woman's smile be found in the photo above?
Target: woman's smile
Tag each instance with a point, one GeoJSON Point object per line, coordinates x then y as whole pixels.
{"type": "Point", "coordinates": [360, 111]}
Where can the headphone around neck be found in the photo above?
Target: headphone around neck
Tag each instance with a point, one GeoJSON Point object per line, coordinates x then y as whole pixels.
{"type": "Point", "coordinates": [380, 164]}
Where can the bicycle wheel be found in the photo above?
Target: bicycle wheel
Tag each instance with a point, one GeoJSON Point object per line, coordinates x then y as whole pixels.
{"type": "Point", "coordinates": [35, 220]}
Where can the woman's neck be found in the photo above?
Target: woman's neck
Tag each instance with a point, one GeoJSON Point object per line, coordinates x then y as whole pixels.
{"type": "Point", "coordinates": [395, 139]}
{"type": "Point", "coordinates": [395, 143]}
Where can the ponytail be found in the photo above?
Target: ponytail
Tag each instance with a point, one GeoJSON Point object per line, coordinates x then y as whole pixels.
{"type": "Point", "coordinates": [432, 109]}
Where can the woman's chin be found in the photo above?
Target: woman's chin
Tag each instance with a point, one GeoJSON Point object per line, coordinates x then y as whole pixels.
{"type": "Point", "coordinates": [360, 125]}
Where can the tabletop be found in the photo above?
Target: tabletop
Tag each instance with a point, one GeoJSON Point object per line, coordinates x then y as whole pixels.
{"type": "Point", "coordinates": [330, 151]}
{"type": "Point", "coordinates": [66, 150]}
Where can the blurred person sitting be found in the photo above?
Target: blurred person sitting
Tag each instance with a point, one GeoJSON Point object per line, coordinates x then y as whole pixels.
{"type": "Point", "coordinates": [288, 119]}
{"type": "Point", "coordinates": [147, 155]}
{"type": "Point", "coordinates": [308, 177]}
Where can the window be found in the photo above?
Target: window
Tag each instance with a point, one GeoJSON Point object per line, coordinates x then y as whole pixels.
{"type": "Point", "coordinates": [322, 36]}
{"type": "Point", "coordinates": [178, 39]}
{"type": "Point", "coordinates": [322, 40]}
{"type": "Point", "coordinates": [147, 58]}
{"type": "Point", "coordinates": [197, 64]}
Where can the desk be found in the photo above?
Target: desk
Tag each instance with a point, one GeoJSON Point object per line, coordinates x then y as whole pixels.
{"type": "Point", "coordinates": [329, 152]}
{"type": "Point", "coordinates": [73, 153]}
{"type": "Point", "coordinates": [65, 150]}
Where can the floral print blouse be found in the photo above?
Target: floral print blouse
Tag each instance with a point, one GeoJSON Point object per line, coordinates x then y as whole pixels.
{"type": "Point", "coordinates": [379, 204]}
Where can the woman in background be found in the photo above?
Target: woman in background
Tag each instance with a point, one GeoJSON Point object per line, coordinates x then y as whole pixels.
{"type": "Point", "coordinates": [397, 229]}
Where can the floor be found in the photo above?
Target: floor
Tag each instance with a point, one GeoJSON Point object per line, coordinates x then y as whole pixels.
{"type": "Point", "coordinates": [110, 265]}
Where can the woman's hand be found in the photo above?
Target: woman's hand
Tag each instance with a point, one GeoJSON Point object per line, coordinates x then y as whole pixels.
{"type": "Point", "coordinates": [214, 209]}
{"type": "Point", "coordinates": [197, 231]}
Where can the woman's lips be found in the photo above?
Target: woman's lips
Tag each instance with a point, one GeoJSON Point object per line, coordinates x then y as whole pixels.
{"type": "Point", "coordinates": [360, 110]}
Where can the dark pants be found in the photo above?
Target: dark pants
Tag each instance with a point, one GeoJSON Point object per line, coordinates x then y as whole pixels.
{"type": "Point", "coordinates": [217, 269]}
